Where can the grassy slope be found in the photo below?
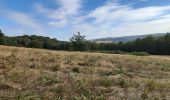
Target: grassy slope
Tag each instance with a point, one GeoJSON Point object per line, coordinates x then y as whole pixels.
{"type": "Point", "coordinates": [41, 74]}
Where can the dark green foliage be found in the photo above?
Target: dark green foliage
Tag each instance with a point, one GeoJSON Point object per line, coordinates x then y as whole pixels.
{"type": "Point", "coordinates": [123, 83]}
{"type": "Point", "coordinates": [159, 45]}
{"type": "Point", "coordinates": [11, 41]}
{"type": "Point", "coordinates": [114, 52]}
{"type": "Point", "coordinates": [2, 38]}
{"type": "Point", "coordinates": [78, 42]}
{"type": "Point", "coordinates": [152, 45]}
{"type": "Point", "coordinates": [75, 70]}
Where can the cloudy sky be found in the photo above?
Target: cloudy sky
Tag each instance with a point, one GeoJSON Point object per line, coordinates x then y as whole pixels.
{"type": "Point", "coordinates": [94, 18]}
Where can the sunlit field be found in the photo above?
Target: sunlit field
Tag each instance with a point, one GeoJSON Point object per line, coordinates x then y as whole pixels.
{"type": "Point", "coordinates": [34, 74]}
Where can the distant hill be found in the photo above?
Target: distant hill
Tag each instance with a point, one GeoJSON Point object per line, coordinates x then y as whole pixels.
{"type": "Point", "coordinates": [124, 38]}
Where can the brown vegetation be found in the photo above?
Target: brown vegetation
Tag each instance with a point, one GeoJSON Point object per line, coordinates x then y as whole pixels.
{"type": "Point", "coordinates": [33, 74]}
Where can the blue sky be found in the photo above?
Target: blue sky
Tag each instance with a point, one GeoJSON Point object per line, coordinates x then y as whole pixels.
{"type": "Point", "coordinates": [94, 18]}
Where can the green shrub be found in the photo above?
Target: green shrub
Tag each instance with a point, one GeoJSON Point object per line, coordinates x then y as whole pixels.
{"type": "Point", "coordinates": [151, 85]}
{"type": "Point", "coordinates": [106, 73]}
{"type": "Point", "coordinates": [76, 70]}
{"type": "Point", "coordinates": [28, 95]}
{"type": "Point", "coordinates": [105, 82]}
{"type": "Point", "coordinates": [113, 52]}
{"type": "Point", "coordinates": [58, 90]}
{"type": "Point", "coordinates": [47, 81]}
{"type": "Point", "coordinates": [55, 67]}
{"type": "Point", "coordinates": [123, 83]}
{"type": "Point", "coordinates": [4, 86]}
{"type": "Point", "coordinates": [91, 61]}
{"type": "Point", "coordinates": [144, 95]}
{"type": "Point", "coordinates": [118, 71]}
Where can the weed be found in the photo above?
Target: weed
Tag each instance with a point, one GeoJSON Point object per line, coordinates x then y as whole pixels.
{"type": "Point", "coordinates": [106, 73]}
{"type": "Point", "coordinates": [106, 82]}
{"type": "Point", "coordinates": [14, 77]}
{"type": "Point", "coordinates": [76, 70]}
{"type": "Point", "coordinates": [123, 83]}
{"type": "Point", "coordinates": [151, 85]}
{"type": "Point", "coordinates": [144, 95]}
{"type": "Point", "coordinates": [46, 81]}
{"type": "Point", "coordinates": [58, 90]}
{"type": "Point", "coordinates": [118, 71]}
{"type": "Point", "coordinates": [55, 67]}
{"type": "Point", "coordinates": [4, 86]}
{"type": "Point", "coordinates": [28, 95]}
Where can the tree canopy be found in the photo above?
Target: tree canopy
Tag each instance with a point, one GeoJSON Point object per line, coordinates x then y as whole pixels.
{"type": "Point", "coordinates": [78, 42]}
{"type": "Point", "coordinates": [159, 45]}
{"type": "Point", "coordinates": [2, 38]}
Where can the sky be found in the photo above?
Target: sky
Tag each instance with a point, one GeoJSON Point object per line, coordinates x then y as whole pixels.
{"type": "Point", "coordinates": [93, 18]}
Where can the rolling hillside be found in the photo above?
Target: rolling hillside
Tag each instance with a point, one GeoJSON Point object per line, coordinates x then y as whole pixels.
{"type": "Point", "coordinates": [34, 74]}
{"type": "Point", "coordinates": [123, 39]}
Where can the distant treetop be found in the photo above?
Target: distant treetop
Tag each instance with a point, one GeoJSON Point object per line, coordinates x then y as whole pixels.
{"type": "Point", "coordinates": [1, 34]}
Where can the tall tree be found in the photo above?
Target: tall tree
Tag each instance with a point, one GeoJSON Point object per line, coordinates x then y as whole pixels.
{"type": "Point", "coordinates": [78, 42]}
{"type": "Point", "coordinates": [2, 38]}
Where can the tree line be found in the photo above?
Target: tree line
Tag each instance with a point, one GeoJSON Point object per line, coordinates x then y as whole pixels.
{"type": "Point", "coordinates": [159, 45]}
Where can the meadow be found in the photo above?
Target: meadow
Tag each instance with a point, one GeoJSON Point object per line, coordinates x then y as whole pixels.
{"type": "Point", "coordinates": [37, 74]}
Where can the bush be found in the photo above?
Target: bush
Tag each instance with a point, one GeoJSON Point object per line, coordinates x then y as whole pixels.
{"type": "Point", "coordinates": [55, 67]}
{"type": "Point", "coordinates": [113, 52]}
{"type": "Point", "coordinates": [47, 81]}
{"type": "Point", "coordinates": [139, 53]}
{"type": "Point", "coordinates": [123, 83]}
{"type": "Point", "coordinates": [144, 96]}
{"type": "Point", "coordinates": [4, 86]}
{"type": "Point", "coordinates": [105, 82]}
{"type": "Point", "coordinates": [75, 70]}
{"type": "Point", "coordinates": [28, 95]}
{"type": "Point", "coordinates": [118, 71]}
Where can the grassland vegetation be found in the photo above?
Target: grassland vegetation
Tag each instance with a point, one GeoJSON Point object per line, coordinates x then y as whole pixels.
{"type": "Point", "coordinates": [34, 74]}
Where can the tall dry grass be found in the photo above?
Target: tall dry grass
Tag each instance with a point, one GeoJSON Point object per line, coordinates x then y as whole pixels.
{"type": "Point", "coordinates": [34, 74]}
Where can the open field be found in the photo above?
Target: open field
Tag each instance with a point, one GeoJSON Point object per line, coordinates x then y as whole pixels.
{"type": "Point", "coordinates": [34, 74]}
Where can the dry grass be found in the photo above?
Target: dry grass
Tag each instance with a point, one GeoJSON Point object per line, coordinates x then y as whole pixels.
{"type": "Point", "coordinates": [33, 74]}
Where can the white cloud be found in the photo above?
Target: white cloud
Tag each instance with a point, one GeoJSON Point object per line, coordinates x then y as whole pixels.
{"type": "Point", "coordinates": [166, 16]}
{"type": "Point", "coordinates": [114, 19]}
{"type": "Point", "coordinates": [41, 9]}
{"type": "Point", "coordinates": [161, 20]}
{"type": "Point", "coordinates": [23, 19]}
{"type": "Point", "coordinates": [146, 13]}
{"type": "Point", "coordinates": [58, 24]}
{"type": "Point", "coordinates": [64, 14]}
{"type": "Point", "coordinates": [109, 20]}
{"type": "Point", "coordinates": [23, 22]}
{"type": "Point", "coordinates": [70, 6]}
{"type": "Point", "coordinates": [112, 12]}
